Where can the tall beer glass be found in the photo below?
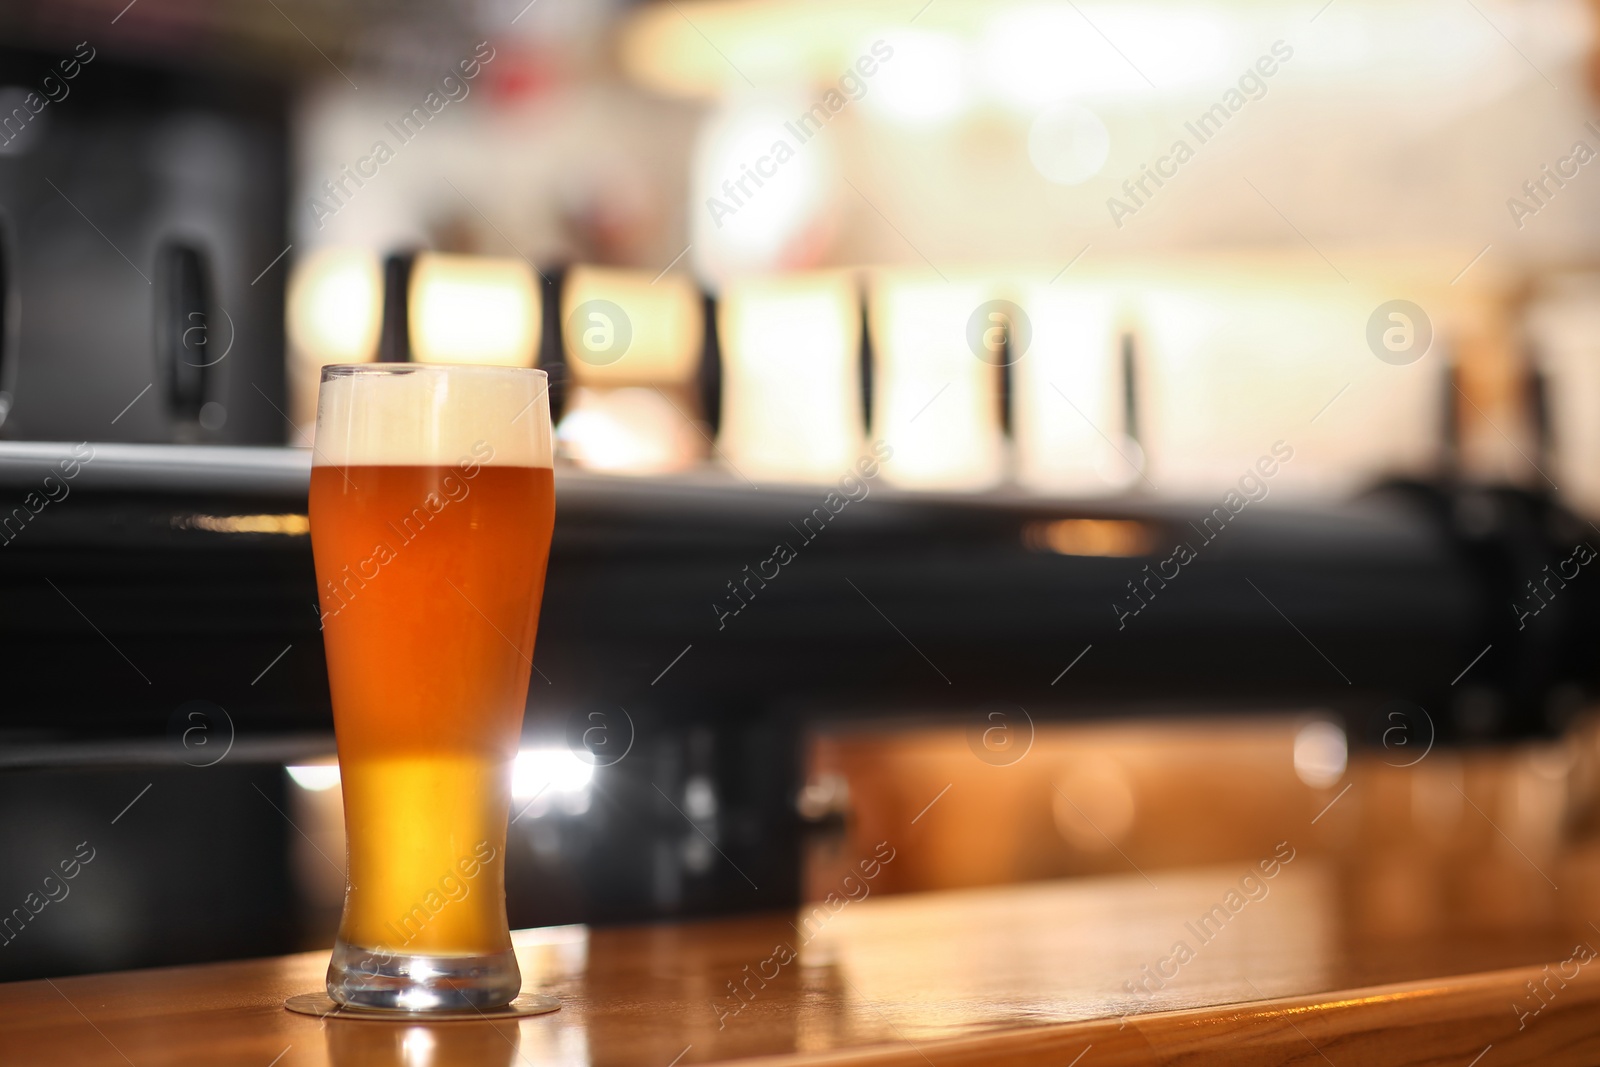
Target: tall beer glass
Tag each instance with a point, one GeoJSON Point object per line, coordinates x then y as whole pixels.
{"type": "Point", "coordinates": [432, 502]}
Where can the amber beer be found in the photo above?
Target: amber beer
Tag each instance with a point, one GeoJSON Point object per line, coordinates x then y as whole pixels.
{"type": "Point", "coordinates": [432, 503]}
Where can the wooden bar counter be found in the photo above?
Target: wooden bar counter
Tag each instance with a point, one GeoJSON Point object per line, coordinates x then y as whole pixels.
{"type": "Point", "coordinates": [1083, 973]}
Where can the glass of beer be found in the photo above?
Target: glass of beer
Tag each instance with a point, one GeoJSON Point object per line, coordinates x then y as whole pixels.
{"type": "Point", "coordinates": [432, 503]}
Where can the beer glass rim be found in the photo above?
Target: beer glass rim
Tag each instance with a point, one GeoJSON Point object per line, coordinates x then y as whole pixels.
{"type": "Point", "coordinates": [351, 370]}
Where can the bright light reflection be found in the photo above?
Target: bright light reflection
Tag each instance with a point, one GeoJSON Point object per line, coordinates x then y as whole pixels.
{"type": "Point", "coordinates": [1178, 49]}
{"type": "Point", "coordinates": [627, 431]}
{"type": "Point", "coordinates": [1039, 54]}
{"type": "Point", "coordinates": [474, 309]}
{"type": "Point", "coordinates": [758, 195]}
{"type": "Point", "coordinates": [335, 302]}
{"type": "Point", "coordinates": [1321, 753]}
{"type": "Point", "coordinates": [418, 1046]}
{"type": "Point", "coordinates": [663, 327]}
{"type": "Point", "coordinates": [537, 772]}
{"type": "Point", "coordinates": [791, 400]}
{"type": "Point", "coordinates": [314, 776]}
{"type": "Point", "coordinates": [929, 385]}
{"type": "Point", "coordinates": [543, 779]}
{"type": "Point", "coordinates": [539, 769]}
{"type": "Point", "coordinates": [1068, 144]}
{"type": "Point", "coordinates": [1068, 402]}
{"type": "Point", "coordinates": [924, 81]}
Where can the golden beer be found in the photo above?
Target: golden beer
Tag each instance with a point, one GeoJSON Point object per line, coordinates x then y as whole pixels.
{"type": "Point", "coordinates": [432, 503]}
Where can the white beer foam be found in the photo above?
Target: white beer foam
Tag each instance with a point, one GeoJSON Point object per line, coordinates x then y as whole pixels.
{"type": "Point", "coordinates": [407, 414]}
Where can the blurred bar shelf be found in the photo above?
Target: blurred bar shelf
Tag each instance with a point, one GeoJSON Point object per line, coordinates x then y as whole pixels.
{"type": "Point", "coordinates": [193, 561]}
{"type": "Point", "coordinates": [1011, 977]}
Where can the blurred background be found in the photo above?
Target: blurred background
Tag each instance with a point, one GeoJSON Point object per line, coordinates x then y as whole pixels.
{"type": "Point", "coordinates": [1182, 420]}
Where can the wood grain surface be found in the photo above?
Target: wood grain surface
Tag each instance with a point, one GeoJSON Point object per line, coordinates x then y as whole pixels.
{"type": "Point", "coordinates": [1047, 973]}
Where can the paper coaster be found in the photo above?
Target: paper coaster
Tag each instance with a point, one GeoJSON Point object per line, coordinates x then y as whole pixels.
{"type": "Point", "coordinates": [323, 1006]}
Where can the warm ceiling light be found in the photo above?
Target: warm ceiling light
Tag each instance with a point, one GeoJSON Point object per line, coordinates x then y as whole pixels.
{"type": "Point", "coordinates": [1068, 144]}
{"type": "Point", "coordinates": [791, 385]}
{"type": "Point", "coordinates": [761, 197]}
{"type": "Point", "coordinates": [1069, 402]}
{"type": "Point", "coordinates": [633, 345]}
{"type": "Point", "coordinates": [1022, 53]}
{"type": "Point", "coordinates": [936, 398]}
{"type": "Point", "coordinates": [473, 309]}
{"type": "Point", "coordinates": [924, 80]}
{"type": "Point", "coordinates": [667, 47]}
{"type": "Point", "coordinates": [335, 306]}
{"type": "Point", "coordinates": [1028, 54]}
{"type": "Point", "coordinates": [1218, 378]}
{"type": "Point", "coordinates": [623, 327]}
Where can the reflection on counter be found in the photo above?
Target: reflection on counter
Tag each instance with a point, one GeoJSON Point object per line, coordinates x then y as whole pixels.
{"type": "Point", "coordinates": [433, 1045]}
{"type": "Point", "coordinates": [896, 972]}
{"type": "Point", "coordinates": [1347, 862]}
{"type": "Point", "coordinates": [1415, 839]}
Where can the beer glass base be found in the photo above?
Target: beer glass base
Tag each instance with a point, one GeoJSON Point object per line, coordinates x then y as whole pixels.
{"type": "Point", "coordinates": [380, 980]}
